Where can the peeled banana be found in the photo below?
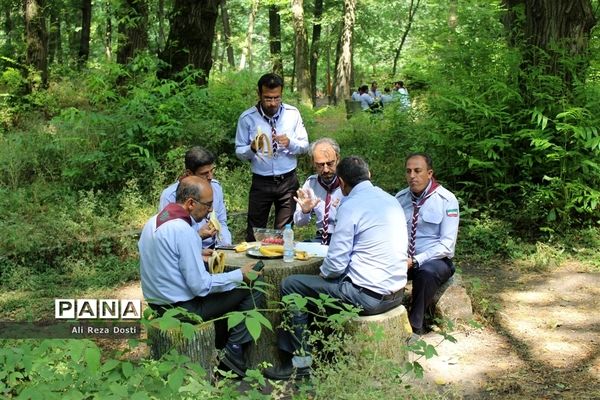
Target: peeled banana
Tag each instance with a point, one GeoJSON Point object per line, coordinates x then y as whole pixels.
{"type": "Point", "coordinates": [214, 221]}
{"type": "Point", "coordinates": [242, 247]}
{"type": "Point", "coordinates": [273, 250]}
{"type": "Point", "coordinates": [262, 144]}
{"type": "Point", "coordinates": [216, 262]}
{"type": "Point", "coordinates": [301, 255]}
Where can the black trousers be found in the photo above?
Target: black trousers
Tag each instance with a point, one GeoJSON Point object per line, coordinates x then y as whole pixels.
{"type": "Point", "coordinates": [266, 191]}
{"type": "Point", "coordinates": [217, 304]}
{"type": "Point", "coordinates": [427, 279]}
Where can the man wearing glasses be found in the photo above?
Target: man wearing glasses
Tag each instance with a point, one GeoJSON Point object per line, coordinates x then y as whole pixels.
{"type": "Point", "coordinates": [201, 162]}
{"type": "Point", "coordinates": [321, 193]}
{"type": "Point", "coordinates": [274, 180]}
{"type": "Point", "coordinates": [173, 273]}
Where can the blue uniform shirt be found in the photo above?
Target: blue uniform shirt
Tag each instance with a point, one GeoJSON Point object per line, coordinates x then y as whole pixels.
{"type": "Point", "coordinates": [370, 241]}
{"type": "Point", "coordinates": [437, 226]}
{"type": "Point", "coordinates": [284, 160]}
{"type": "Point", "coordinates": [319, 192]}
{"type": "Point", "coordinates": [168, 196]}
{"type": "Point", "coordinates": [171, 264]}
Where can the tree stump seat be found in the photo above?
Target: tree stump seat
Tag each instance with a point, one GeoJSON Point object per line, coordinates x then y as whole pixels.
{"type": "Point", "coordinates": [382, 334]}
{"type": "Point", "coordinates": [200, 348]}
{"type": "Point", "coordinates": [352, 107]}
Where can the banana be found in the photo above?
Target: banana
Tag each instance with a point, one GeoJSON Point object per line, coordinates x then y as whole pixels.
{"type": "Point", "coordinates": [273, 250]}
{"type": "Point", "coordinates": [301, 255]}
{"type": "Point", "coordinates": [216, 262]}
{"type": "Point", "coordinates": [214, 221]}
{"type": "Point", "coordinates": [242, 247]}
{"type": "Point", "coordinates": [262, 143]}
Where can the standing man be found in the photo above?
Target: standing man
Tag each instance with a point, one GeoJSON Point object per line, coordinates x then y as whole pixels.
{"type": "Point", "coordinates": [274, 179]}
{"type": "Point", "coordinates": [173, 273]}
{"type": "Point", "coordinates": [321, 193]}
{"type": "Point", "coordinates": [365, 265]}
{"type": "Point", "coordinates": [201, 162]}
{"type": "Point", "coordinates": [431, 214]}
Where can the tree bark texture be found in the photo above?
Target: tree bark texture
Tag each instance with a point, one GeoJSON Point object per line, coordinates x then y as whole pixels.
{"type": "Point", "coordinates": [302, 70]}
{"type": "Point", "coordinates": [315, 49]}
{"type": "Point", "coordinates": [247, 49]}
{"type": "Point", "coordinates": [54, 42]}
{"type": "Point", "coordinates": [133, 30]}
{"type": "Point", "coordinates": [412, 10]}
{"type": "Point", "coordinates": [191, 38]}
{"type": "Point", "coordinates": [275, 39]}
{"type": "Point", "coordinates": [37, 38]}
{"type": "Point", "coordinates": [86, 23]}
{"type": "Point", "coordinates": [227, 33]}
{"type": "Point", "coordinates": [161, 24]}
{"type": "Point", "coordinates": [344, 66]}
{"type": "Point", "coordinates": [108, 32]}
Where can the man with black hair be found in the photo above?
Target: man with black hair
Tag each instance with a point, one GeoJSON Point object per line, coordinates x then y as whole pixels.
{"type": "Point", "coordinates": [431, 214]}
{"type": "Point", "coordinates": [274, 180]}
{"type": "Point", "coordinates": [365, 265]}
{"type": "Point", "coordinates": [201, 162]}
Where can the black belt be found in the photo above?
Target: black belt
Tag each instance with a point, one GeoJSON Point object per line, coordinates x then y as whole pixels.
{"type": "Point", "coordinates": [375, 295]}
{"type": "Point", "coordinates": [276, 178]}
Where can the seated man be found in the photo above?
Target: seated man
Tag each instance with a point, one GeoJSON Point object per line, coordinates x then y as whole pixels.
{"type": "Point", "coordinates": [173, 273]}
{"type": "Point", "coordinates": [366, 101]}
{"type": "Point", "coordinates": [201, 162]}
{"type": "Point", "coordinates": [321, 193]}
{"type": "Point", "coordinates": [365, 265]}
{"type": "Point", "coordinates": [431, 212]}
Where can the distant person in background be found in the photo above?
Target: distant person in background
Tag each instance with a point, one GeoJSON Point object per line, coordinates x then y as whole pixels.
{"type": "Point", "coordinates": [274, 179]}
{"type": "Point", "coordinates": [403, 95]}
{"type": "Point", "coordinates": [386, 97]}
{"type": "Point", "coordinates": [356, 95]}
{"type": "Point", "coordinates": [366, 101]}
{"type": "Point", "coordinates": [374, 92]}
{"type": "Point", "coordinates": [173, 273]}
{"type": "Point", "coordinates": [201, 162]}
{"type": "Point", "coordinates": [321, 193]}
{"type": "Point", "coordinates": [431, 214]}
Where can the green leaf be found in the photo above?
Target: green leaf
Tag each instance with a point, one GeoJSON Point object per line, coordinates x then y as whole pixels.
{"type": "Point", "coordinates": [188, 330]}
{"type": "Point", "coordinates": [261, 318]}
{"type": "Point", "coordinates": [118, 389]}
{"type": "Point", "coordinates": [168, 323]}
{"type": "Point", "coordinates": [92, 358]}
{"type": "Point", "coordinates": [430, 351]}
{"type": "Point", "coordinates": [254, 327]}
{"type": "Point", "coordinates": [176, 379]}
{"type": "Point", "coordinates": [127, 369]}
{"type": "Point", "coordinates": [140, 396]}
{"type": "Point", "coordinates": [109, 365]}
{"type": "Point", "coordinates": [234, 318]}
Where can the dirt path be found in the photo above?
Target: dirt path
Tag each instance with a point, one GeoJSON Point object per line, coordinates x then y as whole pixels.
{"type": "Point", "coordinates": [543, 343]}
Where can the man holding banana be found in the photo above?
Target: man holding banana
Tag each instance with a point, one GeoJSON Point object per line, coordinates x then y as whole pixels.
{"type": "Point", "coordinates": [201, 162]}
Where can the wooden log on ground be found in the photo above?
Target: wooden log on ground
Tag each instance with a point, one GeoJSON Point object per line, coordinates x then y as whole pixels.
{"type": "Point", "coordinates": [382, 334]}
{"type": "Point", "coordinates": [200, 348]}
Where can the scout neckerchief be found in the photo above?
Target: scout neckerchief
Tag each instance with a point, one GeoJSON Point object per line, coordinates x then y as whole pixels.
{"type": "Point", "coordinates": [172, 211]}
{"type": "Point", "coordinates": [329, 188]}
{"type": "Point", "coordinates": [272, 122]}
{"type": "Point", "coordinates": [417, 202]}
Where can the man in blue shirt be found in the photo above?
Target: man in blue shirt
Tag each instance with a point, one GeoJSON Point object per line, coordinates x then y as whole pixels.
{"type": "Point", "coordinates": [173, 273]}
{"type": "Point", "coordinates": [365, 265]}
{"type": "Point", "coordinates": [201, 162]}
{"type": "Point", "coordinates": [431, 214]}
{"type": "Point", "coordinates": [274, 180]}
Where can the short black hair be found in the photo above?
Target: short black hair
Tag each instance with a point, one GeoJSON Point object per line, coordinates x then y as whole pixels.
{"type": "Point", "coordinates": [426, 156]}
{"type": "Point", "coordinates": [353, 170]}
{"type": "Point", "coordinates": [197, 157]}
{"type": "Point", "coordinates": [187, 188]}
{"type": "Point", "coordinates": [271, 81]}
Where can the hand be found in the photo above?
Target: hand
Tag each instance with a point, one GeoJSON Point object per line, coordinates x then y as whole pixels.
{"type": "Point", "coordinates": [208, 230]}
{"type": "Point", "coordinates": [282, 140]}
{"type": "Point", "coordinates": [409, 263]}
{"type": "Point", "coordinates": [306, 201]}
{"type": "Point", "coordinates": [206, 253]}
{"type": "Point", "coordinates": [247, 268]}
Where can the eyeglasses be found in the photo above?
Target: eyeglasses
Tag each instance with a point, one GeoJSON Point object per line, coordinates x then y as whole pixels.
{"type": "Point", "coordinates": [208, 204]}
{"type": "Point", "coordinates": [330, 164]}
{"type": "Point", "coordinates": [275, 99]}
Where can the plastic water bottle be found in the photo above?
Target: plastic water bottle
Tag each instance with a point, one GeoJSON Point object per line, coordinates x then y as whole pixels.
{"type": "Point", "coordinates": [288, 244]}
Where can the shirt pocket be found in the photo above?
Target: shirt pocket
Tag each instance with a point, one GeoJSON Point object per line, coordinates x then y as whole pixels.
{"type": "Point", "coordinates": [431, 219]}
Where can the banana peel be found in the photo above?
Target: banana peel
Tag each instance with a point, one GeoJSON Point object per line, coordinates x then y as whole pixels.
{"type": "Point", "coordinates": [215, 223]}
{"type": "Point", "coordinates": [262, 144]}
{"type": "Point", "coordinates": [216, 262]}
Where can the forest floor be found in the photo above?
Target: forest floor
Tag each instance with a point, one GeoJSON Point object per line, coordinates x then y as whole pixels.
{"type": "Point", "coordinates": [542, 343]}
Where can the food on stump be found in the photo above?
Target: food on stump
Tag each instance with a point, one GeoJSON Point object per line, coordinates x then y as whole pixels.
{"type": "Point", "coordinates": [242, 247]}
{"type": "Point", "coordinates": [274, 250]}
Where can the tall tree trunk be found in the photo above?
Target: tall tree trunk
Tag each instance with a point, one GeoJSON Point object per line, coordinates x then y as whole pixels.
{"type": "Point", "coordinates": [329, 80]}
{"type": "Point", "coordinates": [191, 38]}
{"type": "Point", "coordinates": [275, 39]}
{"type": "Point", "coordinates": [86, 22]}
{"type": "Point", "coordinates": [227, 33]}
{"type": "Point", "coordinates": [37, 39]}
{"type": "Point", "coordinates": [54, 35]}
{"type": "Point", "coordinates": [343, 72]}
{"type": "Point", "coordinates": [412, 10]}
{"type": "Point", "coordinates": [301, 53]}
{"type": "Point", "coordinates": [247, 49]}
{"type": "Point", "coordinates": [133, 29]}
{"type": "Point", "coordinates": [161, 24]}
{"type": "Point", "coordinates": [315, 49]}
{"type": "Point", "coordinates": [109, 31]}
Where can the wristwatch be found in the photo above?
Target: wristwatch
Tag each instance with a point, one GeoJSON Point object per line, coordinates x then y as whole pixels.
{"type": "Point", "coordinates": [415, 263]}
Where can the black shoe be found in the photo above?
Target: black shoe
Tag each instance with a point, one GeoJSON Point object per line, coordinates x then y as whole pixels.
{"type": "Point", "coordinates": [234, 363]}
{"type": "Point", "coordinates": [413, 339]}
{"type": "Point", "coordinates": [286, 371]}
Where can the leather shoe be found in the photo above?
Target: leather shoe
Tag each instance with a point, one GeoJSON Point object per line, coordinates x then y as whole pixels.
{"type": "Point", "coordinates": [413, 339]}
{"type": "Point", "coordinates": [234, 363]}
{"type": "Point", "coordinates": [286, 371]}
